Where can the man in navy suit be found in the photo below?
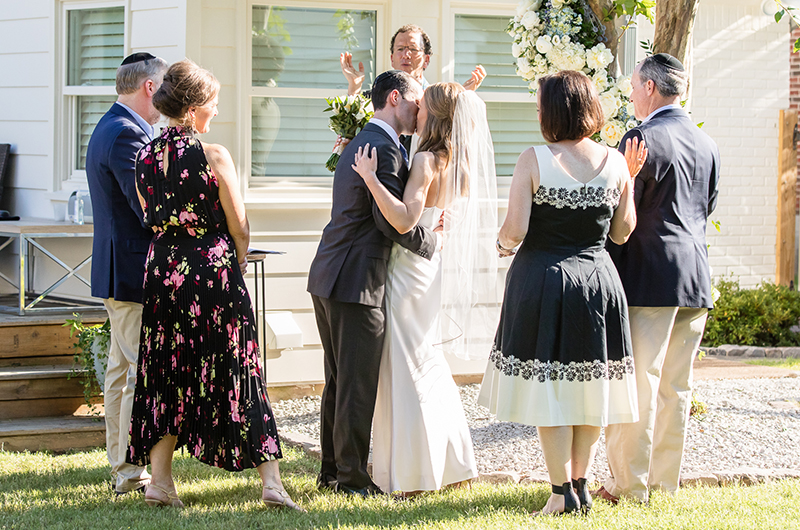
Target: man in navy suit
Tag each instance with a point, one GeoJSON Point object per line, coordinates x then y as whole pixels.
{"type": "Point", "coordinates": [120, 245]}
{"type": "Point", "coordinates": [664, 269]}
{"type": "Point", "coordinates": [347, 280]}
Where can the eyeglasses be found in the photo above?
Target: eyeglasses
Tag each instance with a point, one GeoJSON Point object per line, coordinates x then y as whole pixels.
{"type": "Point", "coordinates": [403, 49]}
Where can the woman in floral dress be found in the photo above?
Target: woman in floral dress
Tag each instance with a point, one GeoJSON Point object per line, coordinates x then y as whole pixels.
{"type": "Point", "coordinates": [199, 382]}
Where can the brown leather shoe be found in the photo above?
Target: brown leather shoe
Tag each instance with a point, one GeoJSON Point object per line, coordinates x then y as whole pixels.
{"type": "Point", "coordinates": [602, 493]}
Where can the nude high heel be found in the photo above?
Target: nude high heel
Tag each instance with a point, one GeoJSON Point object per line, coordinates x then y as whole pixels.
{"type": "Point", "coordinates": [171, 497]}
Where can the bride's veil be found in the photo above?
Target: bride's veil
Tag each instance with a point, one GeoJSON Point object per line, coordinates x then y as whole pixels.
{"type": "Point", "coordinates": [470, 308]}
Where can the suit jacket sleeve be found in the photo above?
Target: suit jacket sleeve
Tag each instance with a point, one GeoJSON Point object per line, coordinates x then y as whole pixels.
{"type": "Point", "coordinates": [122, 161]}
{"type": "Point", "coordinates": [713, 183]}
{"type": "Point", "coordinates": [419, 239]}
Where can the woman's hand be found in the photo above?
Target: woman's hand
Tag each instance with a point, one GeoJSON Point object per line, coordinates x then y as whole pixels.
{"type": "Point", "coordinates": [635, 155]}
{"type": "Point", "coordinates": [366, 165]}
{"type": "Point", "coordinates": [243, 266]}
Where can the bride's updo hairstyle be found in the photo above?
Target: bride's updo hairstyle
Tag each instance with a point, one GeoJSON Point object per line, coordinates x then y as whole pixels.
{"type": "Point", "coordinates": [185, 85]}
{"type": "Point", "coordinates": [569, 108]}
{"type": "Point", "coordinates": [440, 102]}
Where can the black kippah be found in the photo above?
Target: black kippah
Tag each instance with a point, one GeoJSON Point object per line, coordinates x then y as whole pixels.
{"type": "Point", "coordinates": [669, 61]}
{"type": "Point", "coordinates": [137, 58]}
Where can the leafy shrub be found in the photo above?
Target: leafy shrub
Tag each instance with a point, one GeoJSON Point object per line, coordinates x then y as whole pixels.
{"type": "Point", "coordinates": [754, 317]}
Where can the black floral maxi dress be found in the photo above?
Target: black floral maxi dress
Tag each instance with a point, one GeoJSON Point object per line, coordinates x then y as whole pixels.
{"type": "Point", "coordinates": [199, 374]}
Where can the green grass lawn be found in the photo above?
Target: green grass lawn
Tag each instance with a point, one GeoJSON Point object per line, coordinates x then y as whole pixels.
{"type": "Point", "coordinates": [73, 491]}
{"type": "Point", "coordinates": [790, 363]}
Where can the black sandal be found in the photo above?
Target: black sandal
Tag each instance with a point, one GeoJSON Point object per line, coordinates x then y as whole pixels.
{"type": "Point", "coordinates": [571, 501]}
{"type": "Point", "coordinates": [582, 490]}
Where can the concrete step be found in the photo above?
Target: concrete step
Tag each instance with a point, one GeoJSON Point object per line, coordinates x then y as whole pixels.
{"type": "Point", "coordinates": [39, 391]}
{"type": "Point", "coordinates": [57, 434]}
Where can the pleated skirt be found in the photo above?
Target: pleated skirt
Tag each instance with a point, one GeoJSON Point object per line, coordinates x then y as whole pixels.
{"type": "Point", "coordinates": [199, 376]}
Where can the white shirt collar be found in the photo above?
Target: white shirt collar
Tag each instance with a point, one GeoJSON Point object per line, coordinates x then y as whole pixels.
{"type": "Point", "coordinates": [388, 128]}
{"type": "Point", "coordinates": [661, 109]}
{"type": "Point", "coordinates": [146, 127]}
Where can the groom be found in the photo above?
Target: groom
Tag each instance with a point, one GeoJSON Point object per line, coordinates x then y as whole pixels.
{"type": "Point", "coordinates": [347, 280]}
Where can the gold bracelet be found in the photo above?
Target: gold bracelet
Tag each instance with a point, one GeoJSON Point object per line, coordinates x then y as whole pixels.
{"type": "Point", "coordinates": [501, 248]}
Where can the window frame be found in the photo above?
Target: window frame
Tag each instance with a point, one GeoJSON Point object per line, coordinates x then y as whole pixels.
{"type": "Point", "coordinates": [504, 9]}
{"type": "Point", "coordinates": [293, 189]}
{"type": "Point", "coordinates": [68, 174]}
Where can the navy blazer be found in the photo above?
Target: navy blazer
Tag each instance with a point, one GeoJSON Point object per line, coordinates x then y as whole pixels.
{"type": "Point", "coordinates": [664, 263]}
{"type": "Point", "coordinates": [352, 257]}
{"type": "Point", "coordinates": [121, 240]}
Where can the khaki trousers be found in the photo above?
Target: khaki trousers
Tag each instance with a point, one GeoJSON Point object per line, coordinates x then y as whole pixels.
{"type": "Point", "coordinates": [647, 454]}
{"type": "Point", "coordinates": [123, 353]}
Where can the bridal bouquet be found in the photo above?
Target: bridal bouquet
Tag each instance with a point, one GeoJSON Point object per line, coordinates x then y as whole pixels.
{"type": "Point", "coordinates": [350, 115]}
{"type": "Point", "coordinates": [553, 35]}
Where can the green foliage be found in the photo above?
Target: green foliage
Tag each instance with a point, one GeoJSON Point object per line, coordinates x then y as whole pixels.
{"type": "Point", "coordinates": [630, 9]}
{"type": "Point", "coordinates": [648, 47]}
{"type": "Point", "coordinates": [89, 338]}
{"type": "Point", "coordinates": [755, 317]}
{"type": "Point", "coordinates": [791, 11]}
{"type": "Point", "coordinates": [698, 406]}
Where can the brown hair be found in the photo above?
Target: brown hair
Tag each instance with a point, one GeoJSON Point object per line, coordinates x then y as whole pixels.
{"type": "Point", "coordinates": [440, 102]}
{"type": "Point", "coordinates": [413, 28]}
{"type": "Point", "coordinates": [569, 106]}
{"type": "Point", "coordinates": [185, 85]}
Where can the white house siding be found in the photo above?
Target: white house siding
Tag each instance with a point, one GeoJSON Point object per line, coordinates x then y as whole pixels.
{"type": "Point", "coordinates": [740, 83]}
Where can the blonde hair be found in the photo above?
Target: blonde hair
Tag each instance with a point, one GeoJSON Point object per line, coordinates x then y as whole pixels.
{"type": "Point", "coordinates": [440, 102]}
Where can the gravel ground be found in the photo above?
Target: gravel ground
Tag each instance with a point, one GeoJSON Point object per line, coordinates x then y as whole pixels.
{"type": "Point", "coordinates": [751, 423]}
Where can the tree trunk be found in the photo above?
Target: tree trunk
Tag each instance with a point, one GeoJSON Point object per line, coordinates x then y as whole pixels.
{"type": "Point", "coordinates": [674, 25]}
{"type": "Point", "coordinates": [612, 38]}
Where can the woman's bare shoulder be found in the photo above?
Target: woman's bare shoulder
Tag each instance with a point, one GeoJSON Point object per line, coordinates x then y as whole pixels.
{"type": "Point", "coordinates": [216, 153]}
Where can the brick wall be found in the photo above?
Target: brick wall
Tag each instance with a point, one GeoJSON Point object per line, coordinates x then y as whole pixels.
{"type": "Point", "coordinates": [740, 83]}
{"type": "Point", "coordinates": [794, 93]}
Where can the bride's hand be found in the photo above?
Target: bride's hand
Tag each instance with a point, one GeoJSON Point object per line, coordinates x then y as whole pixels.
{"type": "Point", "coordinates": [366, 165]}
{"type": "Point", "coordinates": [635, 155]}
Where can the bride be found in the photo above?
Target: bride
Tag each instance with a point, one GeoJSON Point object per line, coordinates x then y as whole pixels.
{"type": "Point", "coordinates": [421, 440]}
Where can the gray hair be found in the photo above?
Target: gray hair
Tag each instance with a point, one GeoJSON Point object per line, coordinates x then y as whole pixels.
{"type": "Point", "coordinates": [131, 76]}
{"type": "Point", "coordinates": [668, 81]}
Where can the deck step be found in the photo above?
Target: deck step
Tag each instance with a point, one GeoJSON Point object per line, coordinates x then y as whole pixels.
{"type": "Point", "coordinates": [37, 391]}
{"type": "Point", "coordinates": [38, 339]}
{"type": "Point", "coordinates": [56, 434]}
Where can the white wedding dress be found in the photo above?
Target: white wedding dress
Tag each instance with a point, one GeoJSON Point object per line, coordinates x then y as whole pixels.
{"type": "Point", "coordinates": [421, 440]}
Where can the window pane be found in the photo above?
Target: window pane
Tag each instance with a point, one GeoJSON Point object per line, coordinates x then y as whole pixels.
{"type": "Point", "coordinates": [290, 138]}
{"type": "Point", "coordinates": [514, 128]}
{"type": "Point", "coordinates": [483, 40]}
{"type": "Point", "coordinates": [90, 110]}
{"type": "Point", "coordinates": [95, 45]}
{"type": "Point", "coordinates": [296, 47]}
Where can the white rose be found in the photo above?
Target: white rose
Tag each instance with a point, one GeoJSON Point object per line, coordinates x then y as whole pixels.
{"type": "Point", "coordinates": [624, 86]}
{"type": "Point", "coordinates": [530, 20]}
{"type": "Point", "coordinates": [600, 81]}
{"type": "Point", "coordinates": [536, 5]}
{"type": "Point", "coordinates": [556, 40]}
{"type": "Point", "coordinates": [612, 133]}
{"type": "Point", "coordinates": [360, 115]}
{"type": "Point", "coordinates": [610, 104]}
{"type": "Point", "coordinates": [516, 49]}
{"type": "Point", "coordinates": [523, 7]}
{"type": "Point", "coordinates": [543, 44]}
{"type": "Point", "coordinates": [630, 124]}
{"type": "Point", "coordinates": [524, 68]}
{"type": "Point", "coordinates": [630, 108]}
{"type": "Point", "coordinates": [599, 57]}
{"type": "Point", "coordinates": [557, 4]}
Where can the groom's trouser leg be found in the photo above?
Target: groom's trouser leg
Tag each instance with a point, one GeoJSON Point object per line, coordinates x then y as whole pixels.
{"type": "Point", "coordinates": [120, 383]}
{"type": "Point", "coordinates": [629, 445]}
{"type": "Point", "coordinates": [352, 339]}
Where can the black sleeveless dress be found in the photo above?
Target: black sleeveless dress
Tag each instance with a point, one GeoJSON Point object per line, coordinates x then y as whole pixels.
{"type": "Point", "coordinates": [562, 353]}
{"type": "Point", "coordinates": [199, 374]}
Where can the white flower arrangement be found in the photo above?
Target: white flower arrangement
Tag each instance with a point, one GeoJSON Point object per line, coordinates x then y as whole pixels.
{"type": "Point", "coordinates": [553, 35]}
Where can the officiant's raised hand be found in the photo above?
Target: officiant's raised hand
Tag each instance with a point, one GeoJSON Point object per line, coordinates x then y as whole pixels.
{"type": "Point", "coordinates": [355, 78]}
{"type": "Point", "coordinates": [477, 77]}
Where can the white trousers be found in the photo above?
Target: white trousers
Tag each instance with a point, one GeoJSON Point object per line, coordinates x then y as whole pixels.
{"type": "Point", "coordinates": [123, 353]}
{"type": "Point", "coordinates": [647, 454]}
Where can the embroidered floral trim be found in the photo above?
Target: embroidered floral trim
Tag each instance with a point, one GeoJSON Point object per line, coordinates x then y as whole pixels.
{"type": "Point", "coordinates": [556, 371]}
{"type": "Point", "coordinates": [585, 197]}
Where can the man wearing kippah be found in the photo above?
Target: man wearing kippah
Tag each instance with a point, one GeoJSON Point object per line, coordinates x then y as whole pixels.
{"type": "Point", "coordinates": [120, 245]}
{"type": "Point", "coordinates": [664, 269]}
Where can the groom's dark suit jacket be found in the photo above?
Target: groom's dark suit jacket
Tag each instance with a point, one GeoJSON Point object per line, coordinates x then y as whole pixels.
{"type": "Point", "coordinates": [351, 261]}
{"type": "Point", "coordinates": [665, 261]}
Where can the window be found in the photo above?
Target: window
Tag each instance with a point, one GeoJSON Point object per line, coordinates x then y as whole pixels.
{"type": "Point", "coordinates": [482, 39]}
{"type": "Point", "coordinates": [295, 65]}
{"type": "Point", "coordinates": [95, 44]}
